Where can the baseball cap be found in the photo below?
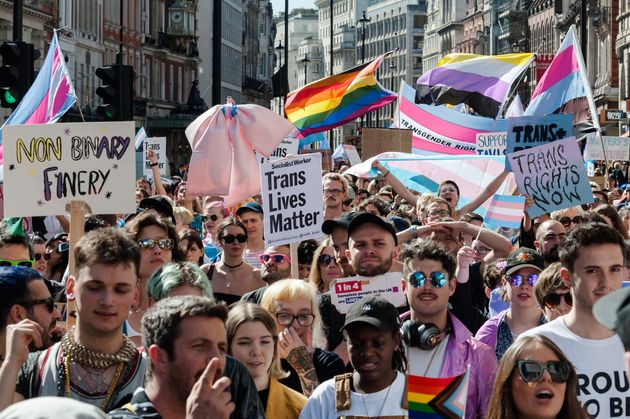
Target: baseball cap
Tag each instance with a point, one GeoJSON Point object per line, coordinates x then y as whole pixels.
{"type": "Point", "coordinates": [56, 237]}
{"type": "Point", "coordinates": [613, 311]}
{"type": "Point", "coordinates": [342, 221]}
{"type": "Point", "coordinates": [160, 204]}
{"type": "Point", "coordinates": [524, 258]}
{"type": "Point", "coordinates": [250, 206]}
{"type": "Point", "coordinates": [399, 223]}
{"type": "Point", "coordinates": [375, 311]}
{"type": "Point", "coordinates": [366, 217]}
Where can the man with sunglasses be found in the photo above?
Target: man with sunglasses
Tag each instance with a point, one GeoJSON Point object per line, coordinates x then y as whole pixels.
{"type": "Point", "coordinates": [438, 344]}
{"type": "Point", "coordinates": [24, 295]}
{"type": "Point", "coordinates": [548, 237]}
{"type": "Point", "coordinates": [592, 257]}
{"type": "Point", "coordinates": [276, 265]}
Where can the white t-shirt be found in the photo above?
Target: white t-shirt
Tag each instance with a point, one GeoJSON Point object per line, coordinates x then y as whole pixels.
{"type": "Point", "coordinates": [427, 363]}
{"type": "Point", "coordinates": [321, 404]}
{"type": "Point", "coordinates": [602, 382]}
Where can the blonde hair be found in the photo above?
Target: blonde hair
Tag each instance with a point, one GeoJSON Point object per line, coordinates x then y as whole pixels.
{"type": "Point", "coordinates": [249, 312]}
{"type": "Point", "coordinates": [315, 275]}
{"type": "Point", "coordinates": [289, 290]}
{"type": "Point", "coordinates": [182, 214]}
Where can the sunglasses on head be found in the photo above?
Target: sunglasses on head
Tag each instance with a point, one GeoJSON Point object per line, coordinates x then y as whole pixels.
{"type": "Point", "coordinates": [532, 371]}
{"type": "Point", "coordinates": [26, 263]}
{"type": "Point", "coordinates": [48, 302]}
{"type": "Point", "coordinates": [325, 260]}
{"type": "Point", "coordinates": [419, 279]}
{"type": "Point", "coordinates": [276, 257]}
{"type": "Point", "coordinates": [517, 280]}
{"type": "Point", "coordinates": [38, 256]}
{"type": "Point", "coordinates": [148, 244]}
{"type": "Point", "coordinates": [553, 300]}
{"type": "Point", "coordinates": [212, 217]}
{"type": "Point", "coordinates": [229, 238]}
{"type": "Point", "coordinates": [565, 221]}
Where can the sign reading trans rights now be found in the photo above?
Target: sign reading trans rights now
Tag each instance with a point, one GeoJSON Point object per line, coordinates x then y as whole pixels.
{"type": "Point", "coordinates": [292, 198]}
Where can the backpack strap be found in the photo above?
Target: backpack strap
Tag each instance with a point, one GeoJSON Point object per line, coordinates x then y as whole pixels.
{"type": "Point", "coordinates": [342, 391]}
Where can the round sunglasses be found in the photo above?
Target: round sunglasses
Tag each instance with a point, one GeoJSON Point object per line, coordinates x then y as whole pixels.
{"type": "Point", "coordinates": [164, 244]}
{"type": "Point", "coordinates": [518, 280]}
{"type": "Point", "coordinates": [532, 371]}
{"type": "Point", "coordinates": [213, 217]}
{"type": "Point", "coordinates": [229, 238]}
{"type": "Point", "coordinates": [277, 258]}
{"type": "Point", "coordinates": [325, 260]}
{"type": "Point", "coordinates": [553, 300]}
{"type": "Point", "coordinates": [566, 221]}
{"type": "Point", "coordinates": [419, 279]}
{"type": "Point", "coordinates": [46, 256]}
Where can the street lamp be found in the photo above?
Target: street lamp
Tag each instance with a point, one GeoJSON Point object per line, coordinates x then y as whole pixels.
{"type": "Point", "coordinates": [363, 21]}
{"type": "Point", "coordinates": [306, 61]}
{"type": "Point", "coordinates": [280, 48]}
{"type": "Point", "coordinates": [392, 70]}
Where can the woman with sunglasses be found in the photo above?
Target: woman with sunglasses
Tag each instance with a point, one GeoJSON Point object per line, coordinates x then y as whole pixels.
{"type": "Point", "coordinates": [324, 268]}
{"type": "Point", "coordinates": [159, 244]}
{"type": "Point", "coordinates": [568, 217]}
{"type": "Point", "coordinates": [231, 276]}
{"type": "Point", "coordinates": [535, 380]}
{"type": "Point", "coordinates": [41, 254]}
{"type": "Point", "coordinates": [213, 215]}
{"type": "Point", "coordinates": [293, 303]}
{"type": "Point", "coordinates": [521, 276]}
{"type": "Point", "coordinates": [553, 296]}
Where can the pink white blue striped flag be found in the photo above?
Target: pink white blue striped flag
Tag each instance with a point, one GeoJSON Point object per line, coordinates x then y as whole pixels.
{"type": "Point", "coordinates": [50, 96]}
{"type": "Point", "coordinates": [141, 135]}
{"type": "Point", "coordinates": [505, 211]}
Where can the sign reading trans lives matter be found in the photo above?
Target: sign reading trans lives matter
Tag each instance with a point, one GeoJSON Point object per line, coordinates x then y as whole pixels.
{"type": "Point", "coordinates": [292, 198]}
{"type": "Point", "coordinates": [47, 166]}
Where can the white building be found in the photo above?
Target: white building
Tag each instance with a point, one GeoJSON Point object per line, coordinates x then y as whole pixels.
{"type": "Point", "coordinates": [444, 30]}
{"type": "Point", "coordinates": [310, 61]}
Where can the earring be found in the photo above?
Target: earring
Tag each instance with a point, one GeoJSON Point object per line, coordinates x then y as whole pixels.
{"type": "Point", "coordinates": [70, 296]}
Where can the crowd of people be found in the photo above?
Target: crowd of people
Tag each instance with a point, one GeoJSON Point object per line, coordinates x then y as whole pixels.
{"type": "Point", "coordinates": [179, 310]}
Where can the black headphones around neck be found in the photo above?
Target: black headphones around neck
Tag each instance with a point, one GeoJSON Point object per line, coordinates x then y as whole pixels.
{"type": "Point", "coordinates": [425, 336]}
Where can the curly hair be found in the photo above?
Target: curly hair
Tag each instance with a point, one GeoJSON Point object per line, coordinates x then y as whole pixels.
{"type": "Point", "coordinates": [427, 249]}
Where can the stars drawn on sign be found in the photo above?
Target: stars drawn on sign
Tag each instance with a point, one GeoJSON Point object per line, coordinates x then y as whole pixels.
{"type": "Point", "coordinates": [11, 166]}
{"type": "Point", "coordinates": [115, 166]}
{"type": "Point", "coordinates": [66, 131]}
{"type": "Point", "coordinates": [40, 203]}
{"type": "Point", "coordinates": [108, 194]}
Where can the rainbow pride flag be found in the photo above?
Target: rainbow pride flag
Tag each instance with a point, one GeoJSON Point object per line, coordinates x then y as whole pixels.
{"type": "Point", "coordinates": [437, 398]}
{"type": "Point", "coordinates": [333, 101]}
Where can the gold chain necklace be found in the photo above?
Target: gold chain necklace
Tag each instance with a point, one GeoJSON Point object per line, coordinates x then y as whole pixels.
{"type": "Point", "coordinates": [99, 360]}
{"type": "Point", "coordinates": [110, 389]}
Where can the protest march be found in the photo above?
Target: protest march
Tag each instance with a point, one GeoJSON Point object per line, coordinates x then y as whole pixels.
{"type": "Point", "coordinates": [471, 261]}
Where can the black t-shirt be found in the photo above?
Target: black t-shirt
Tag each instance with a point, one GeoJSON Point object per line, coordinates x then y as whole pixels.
{"type": "Point", "coordinates": [264, 396]}
{"type": "Point", "coordinates": [332, 320]}
{"type": "Point", "coordinates": [327, 365]}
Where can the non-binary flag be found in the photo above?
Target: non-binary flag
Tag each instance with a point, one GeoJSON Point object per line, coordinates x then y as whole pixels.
{"type": "Point", "coordinates": [437, 397]}
{"type": "Point", "coordinates": [564, 88]}
{"type": "Point", "coordinates": [483, 82]}
{"type": "Point", "coordinates": [335, 100]}
{"type": "Point", "coordinates": [505, 211]}
{"type": "Point", "coordinates": [141, 135]}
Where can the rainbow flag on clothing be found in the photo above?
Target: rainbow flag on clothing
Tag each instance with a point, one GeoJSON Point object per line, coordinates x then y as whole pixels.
{"type": "Point", "coordinates": [336, 100]}
{"type": "Point", "coordinates": [429, 398]}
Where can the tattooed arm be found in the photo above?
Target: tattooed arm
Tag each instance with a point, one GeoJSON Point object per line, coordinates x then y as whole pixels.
{"type": "Point", "coordinates": [302, 361]}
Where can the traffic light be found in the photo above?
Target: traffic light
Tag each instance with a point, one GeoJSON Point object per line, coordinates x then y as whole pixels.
{"type": "Point", "coordinates": [17, 72]}
{"type": "Point", "coordinates": [116, 92]}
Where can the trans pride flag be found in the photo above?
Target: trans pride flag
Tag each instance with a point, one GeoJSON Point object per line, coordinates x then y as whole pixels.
{"type": "Point", "coordinates": [429, 398]}
{"type": "Point", "coordinates": [50, 96]}
{"type": "Point", "coordinates": [333, 101]}
{"type": "Point", "coordinates": [505, 211]}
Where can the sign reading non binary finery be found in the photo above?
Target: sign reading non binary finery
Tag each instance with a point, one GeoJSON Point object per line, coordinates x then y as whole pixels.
{"type": "Point", "coordinates": [158, 145]}
{"type": "Point", "coordinates": [552, 175]}
{"type": "Point", "coordinates": [491, 143]}
{"type": "Point", "coordinates": [292, 198]}
{"type": "Point", "coordinates": [345, 291]}
{"type": "Point", "coordinates": [46, 166]}
{"type": "Point", "coordinates": [616, 148]}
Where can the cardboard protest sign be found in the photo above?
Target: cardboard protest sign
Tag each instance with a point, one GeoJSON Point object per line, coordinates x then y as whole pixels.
{"type": "Point", "coordinates": [552, 175]}
{"type": "Point", "coordinates": [158, 145]}
{"type": "Point", "coordinates": [46, 166]}
{"type": "Point", "coordinates": [345, 291]}
{"type": "Point", "coordinates": [616, 148]}
{"type": "Point", "coordinates": [531, 131]}
{"type": "Point", "coordinates": [375, 141]}
{"type": "Point", "coordinates": [491, 143]}
{"type": "Point", "coordinates": [288, 146]}
{"type": "Point", "coordinates": [352, 153]}
{"type": "Point", "coordinates": [292, 198]}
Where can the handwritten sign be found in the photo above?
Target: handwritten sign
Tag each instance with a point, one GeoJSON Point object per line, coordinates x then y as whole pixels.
{"type": "Point", "coordinates": [47, 166]}
{"type": "Point", "coordinates": [617, 148]}
{"type": "Point", "coordinates": [288, 146]}
{"type": "Point", "coordinates": [553, 175]}
{"type": "Point", "coordinates": [292, 198]}
{"type": "Point", "coordinates": [531, 131]}
{"type": "Point", "coordinates": [158, 145]}
{"type": "Point", "coordinates": [491, 143]}
{"type": "Point", "coordinates": [345, 291]}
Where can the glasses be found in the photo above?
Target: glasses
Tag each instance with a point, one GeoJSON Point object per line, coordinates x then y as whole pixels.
{"type": "Point", "coordinates": [532, 371]}
{"type": "Point", "coordinates": [212, 217]}
{"type": "Point", "coordinates": [229, 238]}
{"type": "Point", "coordinates": [286, 319]}
{"type": "Point", "coordinates": [553, 300]}
{"type": "Point", "coordinates": [38, 256]}
{"type": "Point", "coordinates": [517, 280]}
{"type": "Point", "coordinates": [419, 279]}
{"type": "Point", "coordinates": [325, 260]}
{"type": "Point", "coordinates": [148, 244]}
{"type": "Point", "coordinates": [438, 213]}
{"type": "Point", "coordinates": [48, 302]}
{"type": "Point", "coordinates": [25, 262]}
{"type": "Point", "coordinates": [333, 192]}
{"type": "Point", "coordinates": [482, 250]}
{"type": "Point", "coordinates": [565, 221]}
{"type": "Point", "coordinates": [277, 258]}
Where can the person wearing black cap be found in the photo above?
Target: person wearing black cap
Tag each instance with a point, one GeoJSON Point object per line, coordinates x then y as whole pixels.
{"type": "Point", "coordinates": [372, 244]}
{"type": "Point", "coordinates": [592, 257]}
{"type": "Point", "coordinates": [337, 229]}
{"type": "Point", "coordinates": [251, 215]}
{"type": "Point", "coordinates": [159, 204]}
{"type": "Point", "coordinates": [377, 385]}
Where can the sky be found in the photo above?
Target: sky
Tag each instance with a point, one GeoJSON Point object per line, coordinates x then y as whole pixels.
{"type": "Point", "coordinates": [278, 5]}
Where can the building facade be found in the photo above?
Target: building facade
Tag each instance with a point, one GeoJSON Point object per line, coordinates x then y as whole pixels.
{"type": "Point", "coordinates": [444, 30]}
{"type": "Point", "coordinates": [258, 51]}
{"type": "Point", "coordinates": [622, 46]}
